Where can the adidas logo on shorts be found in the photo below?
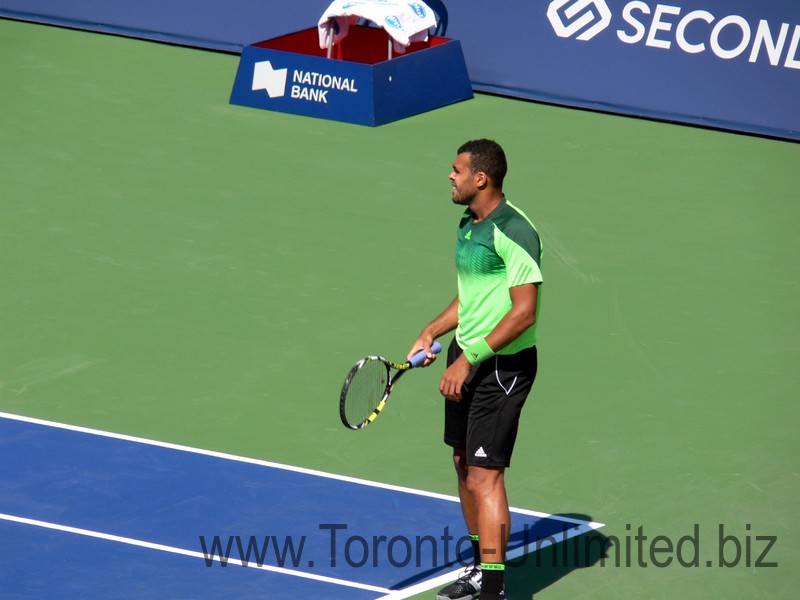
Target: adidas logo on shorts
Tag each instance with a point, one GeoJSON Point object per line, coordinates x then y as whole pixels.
{"type": "Point", "coordinates": [480, 453]}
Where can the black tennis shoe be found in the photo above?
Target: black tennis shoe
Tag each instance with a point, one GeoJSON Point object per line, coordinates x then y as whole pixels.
{"type": "Point", "coordinates": [466, 587]}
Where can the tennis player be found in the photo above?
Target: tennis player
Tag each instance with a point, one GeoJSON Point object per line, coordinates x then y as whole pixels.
{"type": "Point", "coordinates": [492, 361]}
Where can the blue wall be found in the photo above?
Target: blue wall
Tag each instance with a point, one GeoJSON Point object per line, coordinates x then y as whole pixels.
{"type": "Point", "coordinates": [690, 61]}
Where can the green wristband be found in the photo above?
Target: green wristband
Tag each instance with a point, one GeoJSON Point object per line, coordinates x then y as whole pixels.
{"type": "Point", "coordinates": [478, 352]}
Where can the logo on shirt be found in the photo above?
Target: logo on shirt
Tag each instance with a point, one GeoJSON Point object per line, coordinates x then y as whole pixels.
{"type": "Point", "coordinates": [469, 235]}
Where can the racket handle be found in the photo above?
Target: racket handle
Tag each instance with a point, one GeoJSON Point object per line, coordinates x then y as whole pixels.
{"type": "Point", "coordinates": [420, 356]}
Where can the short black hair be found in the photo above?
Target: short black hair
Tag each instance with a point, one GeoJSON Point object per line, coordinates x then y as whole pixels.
{"type": "Point", "coordinates": [487, 156]}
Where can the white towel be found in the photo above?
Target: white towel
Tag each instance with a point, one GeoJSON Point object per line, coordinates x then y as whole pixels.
{"type": "Point", "coordinates": [405, 22]}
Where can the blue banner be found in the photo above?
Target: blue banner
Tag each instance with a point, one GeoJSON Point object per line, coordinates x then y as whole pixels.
{"type": "Point", "coordinates": [730, 64]}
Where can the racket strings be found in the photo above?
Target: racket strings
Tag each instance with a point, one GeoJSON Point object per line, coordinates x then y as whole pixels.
{"type": "Point", "coordinates": [365, 391]}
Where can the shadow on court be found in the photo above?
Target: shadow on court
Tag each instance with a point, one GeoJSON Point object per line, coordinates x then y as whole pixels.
{"type": "Point", "coordinates": [553, 557]}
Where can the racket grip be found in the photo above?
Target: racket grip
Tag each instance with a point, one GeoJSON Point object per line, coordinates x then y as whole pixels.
{"type": "Point", "coordinates": [420, 356]}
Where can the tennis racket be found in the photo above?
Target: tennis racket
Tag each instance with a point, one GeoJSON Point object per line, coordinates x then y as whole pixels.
{"type": "Point", "coordinates": [368, 385]}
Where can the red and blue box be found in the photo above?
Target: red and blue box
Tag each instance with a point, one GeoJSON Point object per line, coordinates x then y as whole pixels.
{"type": "Point", "coordinates": [359, 84]}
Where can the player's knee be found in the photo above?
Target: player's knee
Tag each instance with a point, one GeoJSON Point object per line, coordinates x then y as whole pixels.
{"type": "Point", "coordinates": [460, 463]}
{"type": "Point", "coordinates": [484, 480]}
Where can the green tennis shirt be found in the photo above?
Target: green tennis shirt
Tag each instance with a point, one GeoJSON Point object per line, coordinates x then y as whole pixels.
{"type": "Point", "coordinates": [500, 252]}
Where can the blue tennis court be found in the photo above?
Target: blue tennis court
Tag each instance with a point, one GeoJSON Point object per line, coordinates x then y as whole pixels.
{"type": "Point", "coordinates": [90, 513]}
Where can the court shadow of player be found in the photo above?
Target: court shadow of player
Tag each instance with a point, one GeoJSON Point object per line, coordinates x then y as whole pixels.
{"type": "Point", "coordinates": [553, 556]}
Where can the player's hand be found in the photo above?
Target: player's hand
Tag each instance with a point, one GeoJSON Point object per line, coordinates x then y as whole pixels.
{"type": "Point", "coordinates": [423, 343]}
{"type": "Point", "coordinates": [454, 377]}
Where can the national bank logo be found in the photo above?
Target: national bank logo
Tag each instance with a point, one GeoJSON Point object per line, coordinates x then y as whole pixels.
{"type": "Point", "coordinates": [308, 86]}
{"type": "Point", "coordinates": [269, 79]}
{"type": "Point", "coordinates": [569, 17]}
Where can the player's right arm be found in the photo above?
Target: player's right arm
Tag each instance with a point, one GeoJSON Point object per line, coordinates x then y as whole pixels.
{"type": "Point", "coordinates": [446, 322]}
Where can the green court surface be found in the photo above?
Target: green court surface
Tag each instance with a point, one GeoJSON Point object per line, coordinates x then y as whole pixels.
{"type": "Point", "coordinates": [177, 268]}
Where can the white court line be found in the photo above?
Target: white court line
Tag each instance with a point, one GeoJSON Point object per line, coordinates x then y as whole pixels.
{"type": "Point", "coordinates": [391, 595]}
{"type": "Point", "coordinates": [223, 455]}
{"type": "Point", "coordinates": [184, 552]}
{"type": "Point", "coordinates": [274, 465]}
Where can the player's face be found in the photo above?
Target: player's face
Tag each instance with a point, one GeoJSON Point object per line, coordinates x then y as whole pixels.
{"type": "Point", "coordinates": [462, 181]}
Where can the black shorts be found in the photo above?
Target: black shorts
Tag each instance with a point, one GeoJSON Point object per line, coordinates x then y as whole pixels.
{"type": "Point", "coordinates": [485, 421]}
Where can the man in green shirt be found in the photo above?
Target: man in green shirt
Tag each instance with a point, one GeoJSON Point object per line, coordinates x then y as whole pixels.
{"type": "Point", "coordinates": [492, 360]}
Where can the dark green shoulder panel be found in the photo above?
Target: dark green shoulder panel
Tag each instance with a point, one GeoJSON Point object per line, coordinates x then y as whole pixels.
{"type": "Point", "coordinates": [515, 225]}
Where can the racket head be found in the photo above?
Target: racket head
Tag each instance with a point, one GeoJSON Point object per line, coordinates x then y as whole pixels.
{"type": "Point", "coordinates": [364, 392]}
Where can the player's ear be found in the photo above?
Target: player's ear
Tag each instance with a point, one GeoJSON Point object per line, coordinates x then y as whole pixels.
{"type": "Point", "coordinates": [481, 179]}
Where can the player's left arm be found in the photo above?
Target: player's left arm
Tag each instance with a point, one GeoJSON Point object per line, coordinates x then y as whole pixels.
{"type": "Point", "coordinates": [520, 316]}
{"type": "Point", "coordinates": [521, 252]}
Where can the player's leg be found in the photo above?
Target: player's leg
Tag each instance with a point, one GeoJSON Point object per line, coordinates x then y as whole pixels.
{"type": "Point", "coordinates": [468, 506]}
{"type": "Point", "coordinates": [486, 488]}
{"type": "Point", "coordinates": [500, 390]}
{"type": "Point", "coordinates": [468, 584]}
{"type": "Point", "coordinates": [488, 500]}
